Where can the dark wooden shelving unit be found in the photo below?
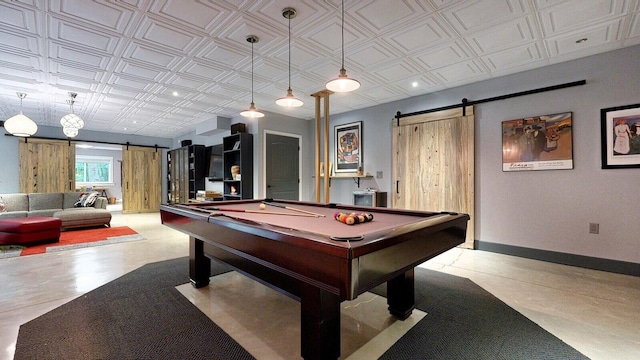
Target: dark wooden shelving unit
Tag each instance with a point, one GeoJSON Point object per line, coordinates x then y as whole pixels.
{"type": "Point", "coordinates": [238, 150]}
{"type": "Point", "coordinates": [185, 173]}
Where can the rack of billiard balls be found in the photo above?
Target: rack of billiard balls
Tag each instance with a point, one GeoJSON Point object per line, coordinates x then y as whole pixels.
{"type": "Point", "coordinates": [353, 218]}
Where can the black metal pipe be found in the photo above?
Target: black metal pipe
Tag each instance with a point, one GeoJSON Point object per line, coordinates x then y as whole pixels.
{"type": "Point", "coordinates": [465, 102]}
{"type": "Point", "coordinates": [127, 144]}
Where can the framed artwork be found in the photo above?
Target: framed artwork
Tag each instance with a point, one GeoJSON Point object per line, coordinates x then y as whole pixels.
{"type": "Point", "coordinates": [348, 151]}
{"type": "Point", "coordinates": [620, 133]}
{"type": "Point", "coordinates": [538, 143]}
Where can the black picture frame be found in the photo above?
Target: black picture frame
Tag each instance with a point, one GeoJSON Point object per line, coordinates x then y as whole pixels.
{"type": "Point", "coordinates": [348, 147]}
{"type": "Point", "coordinates": [620, 144]}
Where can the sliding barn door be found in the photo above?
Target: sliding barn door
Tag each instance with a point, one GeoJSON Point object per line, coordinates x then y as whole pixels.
{"type": "Point", "coordinates": [433, 163]}
{"type": "Point", "coordinates": [47, 166]}
{"type": "Point", "coordinates": [141, 179]}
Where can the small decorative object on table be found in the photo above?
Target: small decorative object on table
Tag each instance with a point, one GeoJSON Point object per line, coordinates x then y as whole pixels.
{"type": "Point", "coordinates": [3, 207]}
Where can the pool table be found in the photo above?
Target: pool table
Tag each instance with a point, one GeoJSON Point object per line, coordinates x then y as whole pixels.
{"type": "Point", "coordinates": [299, 249]}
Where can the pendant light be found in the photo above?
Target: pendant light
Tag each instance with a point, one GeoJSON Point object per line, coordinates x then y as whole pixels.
{"type": "Point", "coordinates": [70, 132]}
{"type": "Point", "coordinates": [20, 125]}
{"type": "Point", "coordinates": [289, 100]}
{"type": "Point", "coordinates": [343, 83]}
{"type": "Point", "coordinates": [72, 120]}
{"type": "Point", "coordinates": [252, 112]}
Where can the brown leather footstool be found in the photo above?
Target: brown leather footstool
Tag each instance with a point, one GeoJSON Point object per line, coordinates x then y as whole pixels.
{"type": "Point", "coordinates": [29, 230]}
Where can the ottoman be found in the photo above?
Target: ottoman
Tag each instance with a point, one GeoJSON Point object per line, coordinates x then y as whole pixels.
{"type": "Point", "coordinates": [83, 217]}
{"type": "Point", "coordinates": [29, 230]}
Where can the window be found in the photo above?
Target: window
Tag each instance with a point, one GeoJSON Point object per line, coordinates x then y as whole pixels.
{"type": "Point", "coordinates": [94, 169]}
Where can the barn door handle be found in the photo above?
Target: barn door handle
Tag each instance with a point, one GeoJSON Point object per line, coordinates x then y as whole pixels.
{"type": "Point", "coordinates": [397, 187]}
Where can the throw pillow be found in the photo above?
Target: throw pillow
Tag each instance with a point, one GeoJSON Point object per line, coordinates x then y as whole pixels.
{"type": "Point", "coordinates": [80, 200]}
{"type": "Point", "coordinates": [90, 199]}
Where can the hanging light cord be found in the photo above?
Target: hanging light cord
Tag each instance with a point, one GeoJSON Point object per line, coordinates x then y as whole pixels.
{"type": "Point", "coordinates": [342, 34]}
{"type": "Point", "coordinates": [252, 71]}
{"type": "Point", "coordinates": [289, 52]}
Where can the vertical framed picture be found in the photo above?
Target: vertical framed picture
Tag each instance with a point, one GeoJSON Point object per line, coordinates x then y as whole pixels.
{"type": "Point", "coordinates": [538, 143]}
{"type": "Point", "coordinates": [348, 147]}
{"type": "Point", "coordinates": [620, 136]}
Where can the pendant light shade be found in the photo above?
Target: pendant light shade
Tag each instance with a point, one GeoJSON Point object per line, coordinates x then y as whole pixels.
{"type": "Point", "coordinates": [20, 125]}
{"type": "Point", "coordinates": [70, 132]}
{"type": "Point", "coordinates": [252, 112]}
{"type": "Point", "coordinates": [72, 120]}
{"type": "Point", "coordinates": [289, 100]}
{"type": "Point", "coordinates": [343, 83]}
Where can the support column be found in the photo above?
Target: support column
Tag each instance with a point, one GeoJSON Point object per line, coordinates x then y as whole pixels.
{"type": "Point", "coordinates": [324, 141]}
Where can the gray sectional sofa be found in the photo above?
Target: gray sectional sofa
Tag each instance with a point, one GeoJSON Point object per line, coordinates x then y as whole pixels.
{"type": "Point", "coordinates": [58, 205]}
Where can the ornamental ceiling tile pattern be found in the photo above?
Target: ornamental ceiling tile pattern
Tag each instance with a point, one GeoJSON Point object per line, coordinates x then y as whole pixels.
{"type": "Point", "coordinates": [160, 67]}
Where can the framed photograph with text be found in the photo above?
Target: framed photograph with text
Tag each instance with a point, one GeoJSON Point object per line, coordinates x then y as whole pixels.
{"type": "Point", "coordinates": [348, 147]}
{"type": "Point", "coordinates": [538, 143]}
{"type": "Point", "coordinates": [620, 133]}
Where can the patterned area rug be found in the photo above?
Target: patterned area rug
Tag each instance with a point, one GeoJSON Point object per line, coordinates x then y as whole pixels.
{"type": "Point", "coordinates": [73, 239]}
{"type": "Point", "coordinates": [142, 316]}
{"type": "Point", "coordinates": [137, 316]}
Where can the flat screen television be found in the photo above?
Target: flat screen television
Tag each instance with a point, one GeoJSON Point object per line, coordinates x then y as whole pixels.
{"type": "Point", "coordinates": [215, 168]}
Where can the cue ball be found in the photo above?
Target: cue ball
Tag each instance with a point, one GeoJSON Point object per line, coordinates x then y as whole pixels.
{"type": "Point", "coordinates": [263, 206]}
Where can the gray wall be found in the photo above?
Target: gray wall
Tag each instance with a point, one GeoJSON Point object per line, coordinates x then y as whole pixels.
{"type": "Point", "coordinates": [545, 210]}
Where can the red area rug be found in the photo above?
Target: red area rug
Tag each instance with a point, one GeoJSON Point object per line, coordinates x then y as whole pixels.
{"type": "Point", "coordinates": [73, 239]}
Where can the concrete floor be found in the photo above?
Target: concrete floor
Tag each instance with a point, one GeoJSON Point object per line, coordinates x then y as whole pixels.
{"type": "Point", "coordinates": [595, 312]}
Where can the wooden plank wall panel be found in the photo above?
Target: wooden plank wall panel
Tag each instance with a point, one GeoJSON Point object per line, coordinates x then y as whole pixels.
{"type": "Point", "coordinates": [434, 164]}
{"type": "Point", "coordinates": [141, 179]}
{"type": "Point", "coordinates": [153, 180]}
{"type": "Point", "coordinates": [46, 166]}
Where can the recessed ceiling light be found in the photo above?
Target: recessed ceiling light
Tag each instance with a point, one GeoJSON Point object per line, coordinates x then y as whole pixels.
{"type": "Point", "coordinates": [175, 93]}
{"type": "Point", "coordinates": [580, 41]}
{"type": "Point", "coordinates": [414, 84]}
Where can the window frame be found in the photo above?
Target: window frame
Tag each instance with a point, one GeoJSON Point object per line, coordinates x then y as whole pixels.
{"type": "Point", "coordinates": [95, 159]}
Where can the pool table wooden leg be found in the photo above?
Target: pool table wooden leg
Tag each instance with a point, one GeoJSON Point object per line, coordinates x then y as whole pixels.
{"type": "Point", "coordinates": [401, 295]}
{"type": "Point", "coordinates": [320, 323]}
{"type": "Point", "coordinates": [199, 264]}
